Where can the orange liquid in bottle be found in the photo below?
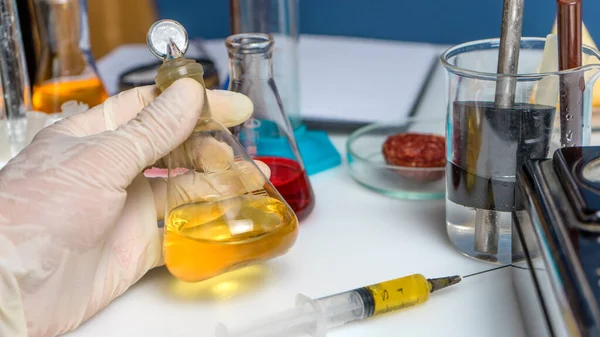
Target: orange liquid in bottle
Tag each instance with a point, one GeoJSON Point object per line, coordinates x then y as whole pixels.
{"type": "Point", "coordinates": [49, 96]}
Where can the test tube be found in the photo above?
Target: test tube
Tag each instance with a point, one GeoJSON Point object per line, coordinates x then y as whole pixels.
{"type": "Point", "coordinates": [280, 19]}
{"type": "Point", "coordinates": [572, 85]}
{"type": "Point", "coordinates": [16, 95]}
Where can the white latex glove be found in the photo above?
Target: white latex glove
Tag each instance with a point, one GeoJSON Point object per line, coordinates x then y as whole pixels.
{"type": "Point", "coordinates": [78, 222]}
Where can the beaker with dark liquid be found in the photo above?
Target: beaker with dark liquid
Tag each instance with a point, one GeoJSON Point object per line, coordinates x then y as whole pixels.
{"type": "Point", "coordinates": [487, 144]}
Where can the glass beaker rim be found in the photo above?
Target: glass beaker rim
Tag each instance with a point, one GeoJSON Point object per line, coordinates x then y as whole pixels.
{"type": "Point", "coordinates": [494, 43]}
{"type": "Point", "coordinates": [249, 43]}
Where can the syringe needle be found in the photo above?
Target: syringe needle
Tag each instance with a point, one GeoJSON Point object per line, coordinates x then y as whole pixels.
{"type": "Point", "coordinates": [486, 271]}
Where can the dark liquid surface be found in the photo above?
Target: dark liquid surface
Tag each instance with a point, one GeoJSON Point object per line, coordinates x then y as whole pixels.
{"type": "Point", "coordinates": [292, 183]}
{"type": "Point", "coordinates": [489, 145]}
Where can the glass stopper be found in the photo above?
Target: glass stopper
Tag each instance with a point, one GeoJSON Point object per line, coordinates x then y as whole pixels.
{"type": "Point", "coordinates": [167, 38]}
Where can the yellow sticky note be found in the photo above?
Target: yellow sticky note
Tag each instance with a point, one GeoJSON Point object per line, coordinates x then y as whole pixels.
{"type": "Point", "coordinates": [546, 89]}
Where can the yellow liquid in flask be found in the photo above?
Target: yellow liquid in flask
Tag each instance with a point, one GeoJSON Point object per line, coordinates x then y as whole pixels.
{"type": "Point", "coordinates": [205, 239]}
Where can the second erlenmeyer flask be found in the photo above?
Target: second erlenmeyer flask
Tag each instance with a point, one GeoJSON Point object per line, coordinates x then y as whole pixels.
{"type": "Point", "coordinates": [268, 135]}
{"type": "Point", "coordinates": [67, 70]}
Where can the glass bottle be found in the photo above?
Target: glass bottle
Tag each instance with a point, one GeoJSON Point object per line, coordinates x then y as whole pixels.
{"type": "Point", "coordinates": [67, 70]}
{"type": "Point", "coordinates": [268, 135]}
{"type": "Point", "coordinates": [222, 212]}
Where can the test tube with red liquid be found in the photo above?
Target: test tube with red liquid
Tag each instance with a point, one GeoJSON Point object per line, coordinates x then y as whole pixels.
{"type": "Point", "coordinates": [268, 134]}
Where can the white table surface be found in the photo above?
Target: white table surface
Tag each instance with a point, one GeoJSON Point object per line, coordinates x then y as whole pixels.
{"type": "Point", "coordinates": [353, 238]}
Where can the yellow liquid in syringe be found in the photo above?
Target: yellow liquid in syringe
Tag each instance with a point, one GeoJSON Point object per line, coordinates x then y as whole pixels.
{"type": "Point", "coordinates": [399, 293]}
{"type": "Point", "coordinates": [205, 239]}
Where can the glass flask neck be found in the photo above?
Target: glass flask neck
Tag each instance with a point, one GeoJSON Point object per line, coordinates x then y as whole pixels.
{"type": "Point", "coordinates": [173, 69]}
{"type": "Point", "coordinates": [63, 25]}
{"type": "Point", "coordinates": [250, 56]}
{"type": "Point", "coordinates": [257, 65]}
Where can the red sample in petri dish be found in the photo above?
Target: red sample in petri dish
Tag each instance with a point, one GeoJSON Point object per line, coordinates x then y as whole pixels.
{"type": "Point", "coordinates": [291, 181]}
{"type": "Point", "coordinates": [419, 151]}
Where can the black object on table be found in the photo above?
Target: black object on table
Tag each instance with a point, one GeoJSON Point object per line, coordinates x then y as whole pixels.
{"type": "Point", "coordinates": [556, 244]}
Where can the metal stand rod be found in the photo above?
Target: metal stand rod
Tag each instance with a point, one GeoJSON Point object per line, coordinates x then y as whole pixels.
{"type": "Point", "coordinates": [508, 57]}
{"type": "Point", "coordinates": [487, 231]}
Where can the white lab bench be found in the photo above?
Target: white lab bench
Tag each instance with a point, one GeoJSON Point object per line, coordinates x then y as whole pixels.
{"type": "Point", "coordinates": [353, 238]}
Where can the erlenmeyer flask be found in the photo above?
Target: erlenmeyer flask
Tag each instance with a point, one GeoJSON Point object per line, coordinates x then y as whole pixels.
{"type": "Point", "coordinates": [66, 69]}
{"type": "Point", "coordinates": [222, 213]}
{"type": "Point", "coordinates": [268, 135]}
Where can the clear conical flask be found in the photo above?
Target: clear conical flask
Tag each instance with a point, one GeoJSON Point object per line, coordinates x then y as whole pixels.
{"type": "Point", "coordinates": [66, 70]}
{"type": "Point", "coordinates": [268, 135]}
{"type": "Point", "coordinates": [222, 213]}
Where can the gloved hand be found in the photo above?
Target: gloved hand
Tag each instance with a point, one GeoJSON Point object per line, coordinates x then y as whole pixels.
{"type": "Point", "coordinates": [78, 220]}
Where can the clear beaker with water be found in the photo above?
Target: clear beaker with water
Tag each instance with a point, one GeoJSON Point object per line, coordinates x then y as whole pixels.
{"type": "Point", "coordinates": [486, 144]}
{"type": "Point", "coordinates": [222, 212]}
{"type": "Point", "coordinates": [268, 135]}
{"type": "Point", "coordinates": [67, 70]}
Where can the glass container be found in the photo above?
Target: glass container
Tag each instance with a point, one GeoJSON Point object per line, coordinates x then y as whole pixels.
{"type": "Point", "coordinates": [487, 144]}
{"type": "Point", "coordinates": [280, 19]}
{"type": "Point", "coordinates": [66, 70]}
{"type": "Point", "coordinates": [268, 135]}
{"type": "Point", "coordinates": [16, 96]}
{"type": "Point", "coordinates": [222, 213]}
{"type": "Point", "coordinates": [368, 166]}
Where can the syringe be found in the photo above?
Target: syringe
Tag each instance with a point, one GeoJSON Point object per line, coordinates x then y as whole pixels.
{"type": "Point", "coordinates": [314, 317]}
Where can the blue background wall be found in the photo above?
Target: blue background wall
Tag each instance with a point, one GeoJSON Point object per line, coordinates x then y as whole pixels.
{"type": "Point", "coordinates": [436, 21]}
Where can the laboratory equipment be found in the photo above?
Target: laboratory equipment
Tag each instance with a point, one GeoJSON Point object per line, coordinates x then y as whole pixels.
{"type": "Point", "coordinates": [556, 244]}
{"type": "Point", "coordinates": [487, 144]}
{"type": "Point", "coordinates": [316, 316]}
{"type": "Point", "coordinates": [368, 167]}
{"type": "Point", "coordinates": [222, 213]}
{"type": "Point", "coordinates": [552, 60]}
{"type": "Point", "coordinates": [267, 135]}
{"type": "Point", "coordinates": [16, 95]}
{"type": "Point", "coordinates": [67, 70]}
{"type": "Point", "coordinates": [571, 84]}
{"type": "Point", "coordinates": [281, 20]}
{"type": "Point", "coordinates": [487, 220]}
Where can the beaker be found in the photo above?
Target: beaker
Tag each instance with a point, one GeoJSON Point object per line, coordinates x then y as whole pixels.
{"type": "Point", "coordinates": [66, 70]}
{"type": "Point", "coordinates": [486, 144]}
{"type": "Point", "coordinates": [280, 19]}
{"type": "Point", "coordinates": [268, 135]}
{"type": "Point", "coordinates": [222, 213]}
